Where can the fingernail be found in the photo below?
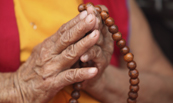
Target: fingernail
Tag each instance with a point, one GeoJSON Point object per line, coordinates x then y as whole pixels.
{"type": "Point", "coordinates": [83, 15]}
{"type": "Point", "coordinates": [93, 34]}
{"type": "Point", "coordinates": [89, 18]}
{"type": "Point", "coordinates": [85, 57]}
{"type": "Point", "coordinates": [92, 70]}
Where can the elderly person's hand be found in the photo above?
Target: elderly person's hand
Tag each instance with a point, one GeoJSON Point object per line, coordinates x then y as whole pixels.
{"type": "Point", "coordinates": [98, 55]}
{"type": "Point", "coordinates": [48, 68]}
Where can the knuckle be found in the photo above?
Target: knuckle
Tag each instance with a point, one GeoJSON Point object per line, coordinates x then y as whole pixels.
{"type": "Point", "coordinates": [45, 50]}
{"type": "Point", "coordinates": [65, 39]}
{"type": "Point", "coordinates": [45, 55]}
{"type": "Point", "coordinates": [74, 75]}
{"type": "Point", "coordinates": [80, 27]}
{"type": "Point", "coordinates": [82, 43]}
{"type": "Point", "coordinates": [69, 34]}
{"type": "Point", "coordinates": [59, 34]}
{"type": "Point", "coordinates": [69, 76]}
{"type": "Point", "coordinates": [74, 21]}
{"type": "Point", "coordinates": [47, 43]}
{"type": "Point", "coordinates": [78, 75]}
{"type": "Point", "coordinates": [63, 28]}
{"type": "Point", "coordinates": [71, 52]}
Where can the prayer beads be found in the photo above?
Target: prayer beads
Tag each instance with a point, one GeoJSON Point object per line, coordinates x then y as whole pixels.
{"type": "Point", "coordinates": [124, 49]}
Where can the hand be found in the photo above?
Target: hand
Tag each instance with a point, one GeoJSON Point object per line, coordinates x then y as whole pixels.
{"type": "Point", "coordinates": [48, 68]}
{"type": "Point", "coordinates": [98, 55]}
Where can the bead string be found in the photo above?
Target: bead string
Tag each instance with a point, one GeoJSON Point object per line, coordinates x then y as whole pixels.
{"type": "Point", "coordinates": [128, 57]}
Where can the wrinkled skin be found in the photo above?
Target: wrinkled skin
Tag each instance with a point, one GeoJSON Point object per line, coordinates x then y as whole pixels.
{"type": "Point", "coordinates": [51, 64]}
{"type": "Point", "coordinates": [100, 54]}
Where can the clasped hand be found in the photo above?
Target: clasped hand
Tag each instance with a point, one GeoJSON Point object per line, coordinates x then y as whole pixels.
{"type": "Point", "coordinates": [51, 64]}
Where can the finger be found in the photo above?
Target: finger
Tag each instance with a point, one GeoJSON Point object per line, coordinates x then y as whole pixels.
{"type": "Point", "coordinates": [68, 25]}
{"type": "Point", "coordinates": [95, 54]}
{"type": "Point", "coordinates": [98, 24]}
{"type": "Point", "coordinates": [106, 34]}
{"type": "Point", "coordinates": [92, 10]}
{"type": "Point", "coordinates": [71, 76]}
{"type": "Point", "coordinates": [75, 33]}
{"type": "Point", "coordinates": [73, 22]}
{"type": "Point", "coordinates": [71, 54]}
{"type": "Point", "coordinates": [108, 44]}
{"type": "Point", "coordinates": [104, 8]}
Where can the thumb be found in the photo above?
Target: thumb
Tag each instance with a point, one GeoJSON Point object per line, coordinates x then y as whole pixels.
{"type": "Point", "coordinates": [71, 76]}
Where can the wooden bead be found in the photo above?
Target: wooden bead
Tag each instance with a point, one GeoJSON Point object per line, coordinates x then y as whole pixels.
{"type": "Point", "coordinates": [117, 36]}
{"type": "Point", "coordinates": [121, 43]}
{"type": "Point", "coordinates": [131, 101]}
{"type": "Point", "coordinates": [128, 57]}
{"type": "Point", "coordinates": [133, 95]}
{"type": "Point", "coordinates": [113, 29]}
{"type": "Point", "coordinates": [131, 65]}
{"type": "Point", "coordinates": [88, 4]}
{"type": "Point", "coordinates": [75, 94]}
{"type": "Point", "coordinates": [81, 7]}
{"type": "Point", "coordinates": [134, 88]}
{"type": "Point", "coordinates": [98, 8]}
{"type": "Point", "coordinates": [77, 86]}
{"type": "Point", "coordinates": [133, 73]}
{"type": "Point", "coordinates": [104, 15]}
{"type": "Point", "coordinates": [125, 50]}
{"type": "Point", "coordinates": [134, 81]}
{"type": "Point", "coordinates": [72, 100]}
{"type": "Point", "coordinates": [109, 21]}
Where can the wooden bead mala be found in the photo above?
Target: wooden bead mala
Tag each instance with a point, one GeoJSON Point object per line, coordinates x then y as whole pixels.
{"type": "Point", "coordinates": [128, 57]}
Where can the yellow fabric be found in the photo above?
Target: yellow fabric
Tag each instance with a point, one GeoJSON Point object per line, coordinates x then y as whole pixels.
{"type": "Point", "coordinates": [39, 19]}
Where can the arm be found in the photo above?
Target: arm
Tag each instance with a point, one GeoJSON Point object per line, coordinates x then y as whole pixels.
{"type": "Point", "coordinates": [142, 42]}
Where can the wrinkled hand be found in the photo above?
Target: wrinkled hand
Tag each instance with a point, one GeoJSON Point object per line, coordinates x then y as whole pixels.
{"type": "Point", "coordinates": [48, 68]}
{"type": "Point", "coordinates": [98, 55]}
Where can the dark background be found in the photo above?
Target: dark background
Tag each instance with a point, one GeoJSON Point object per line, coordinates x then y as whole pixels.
{"type": "Point", "coordinates": [160, 17]}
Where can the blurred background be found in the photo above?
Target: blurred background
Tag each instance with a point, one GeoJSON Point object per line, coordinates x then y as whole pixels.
{"type": "Point", "coordinates": [160, 17]}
